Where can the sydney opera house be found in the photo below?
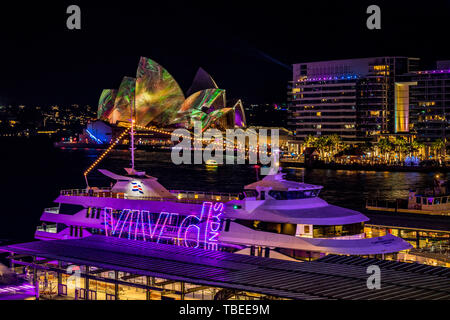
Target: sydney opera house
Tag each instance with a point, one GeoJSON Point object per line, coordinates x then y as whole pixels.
{"type": "Point", "coordinates": [154, 98]}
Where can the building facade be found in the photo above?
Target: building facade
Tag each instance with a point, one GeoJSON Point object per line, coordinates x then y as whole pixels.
{"type": "Point", "coordinates": [353, 98]}
{"type": "Point", "coordinates": [430, 103]}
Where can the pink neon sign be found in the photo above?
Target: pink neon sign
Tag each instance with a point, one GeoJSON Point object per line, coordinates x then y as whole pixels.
{"type": "Point", "coordinates": [192, 231]}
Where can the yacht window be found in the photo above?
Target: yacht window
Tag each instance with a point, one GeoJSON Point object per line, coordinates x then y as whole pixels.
{"type": "Point", "coordinates": [60, 227]}
{"type": "Point", "coordinates": [430, 201]}
{"type": "Point", "coordinates": [437, 200]}
{"type": "Point", "coordinates": [250, 193]}
{"type": "Point", "coordinates": [263, 195]}
{"type": "Point", "coordinates": [266, 252]}
{"type": "Point", "coordinates": [227, 225]}
{"type": "Point", "coordinates": [337, 230]}
{"type": "Point", "coordinates": [81, 231]}
{"type": "Point", "coordinates": [418, 200]}
{"type": "Point", "coordinates": [424, 200]}
{"type": "Point", "coordinates": [70, 209]}
{"type": "Point", "coordinates": [71, 230]}
{"type": "Point", "coordinates": [444, 200]}
{"type": "Point", "coordinates": [291, 195]}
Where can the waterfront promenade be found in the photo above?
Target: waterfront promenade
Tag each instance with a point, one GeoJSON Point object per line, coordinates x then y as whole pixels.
{"type": "Point", "coordinates": [363, 167]}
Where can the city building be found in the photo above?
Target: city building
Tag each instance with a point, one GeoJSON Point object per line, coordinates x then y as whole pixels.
{"type": "Point", "coordinates": [430, 103]}
{"type": "Point", "coordinates": [356, 99]}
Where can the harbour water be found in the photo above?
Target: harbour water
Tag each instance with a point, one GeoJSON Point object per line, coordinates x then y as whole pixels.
{"type": "Point", "coordinates": [33, 172]}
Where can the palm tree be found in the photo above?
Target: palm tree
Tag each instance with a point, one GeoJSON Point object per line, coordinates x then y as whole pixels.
{"type": "Point", "coordinates": [309, 141]}
{"type": "Point", "coordinates": [415, 147]}
{"type": "Point", "coordinates": [437, 147]}
{"type": "Point", "coordinates": [321, 143]}
{"type": "Point", "coordinates": [367, 147]}
{"type": "Point", "coordinates": [336, 143]}
{"type": "Point", "coordinates": [385, 146]}
{"type": "Point", "coordinates": [401, 146]}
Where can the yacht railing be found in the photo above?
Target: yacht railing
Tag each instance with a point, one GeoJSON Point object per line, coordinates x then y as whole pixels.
{"type": "Point", "coordinates": [48, 228]}
{"type": "Point", "coordinates": [182, 196]}
{"type": "Point", "coordinates": [52, 210]}
{"type": "Point", "coordinates": [213, 196]}
{"type": "Point", "coordinates": [387, 203]}
{"type": "Point", "coordinates": [436, 252]}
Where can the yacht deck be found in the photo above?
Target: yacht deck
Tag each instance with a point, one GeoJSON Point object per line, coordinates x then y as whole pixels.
{"type": "Point", "coordinates": [182, 196]}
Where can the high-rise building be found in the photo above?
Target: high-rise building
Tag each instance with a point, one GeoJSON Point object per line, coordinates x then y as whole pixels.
{"type": "Point", "coordinates": [430, 103]}
{"type": "Point", "coordinates": [355, 98]}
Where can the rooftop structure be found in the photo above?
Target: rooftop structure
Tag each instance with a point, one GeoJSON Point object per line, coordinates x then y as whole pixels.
{"type": "Point", "coordinates": [331, 277]}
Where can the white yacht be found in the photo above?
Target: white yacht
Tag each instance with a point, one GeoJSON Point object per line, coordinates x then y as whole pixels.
{"type": "Point", "coordinates": [272, 217]}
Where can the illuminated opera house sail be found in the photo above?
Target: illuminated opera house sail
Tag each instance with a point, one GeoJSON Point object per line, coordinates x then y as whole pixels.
{"type": "Point", "coordinates": [155, 98]}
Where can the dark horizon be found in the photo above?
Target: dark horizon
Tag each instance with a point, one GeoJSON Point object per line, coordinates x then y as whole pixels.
{"type": "Point", "coordinates": [247, 48]}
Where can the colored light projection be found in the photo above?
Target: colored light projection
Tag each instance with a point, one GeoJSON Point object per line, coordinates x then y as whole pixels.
{"type": "Point", "coordinates": [204, 100]}
{"type": "Point", "coordinates": [202, 81]}
{"type": "Point", "coordinates": [106, 103]}
{"type": "Point", "coordinates": [239, 115]}
{"type": "Point", "coordinates": [159, 101]}
{"type": "Point", "coordinates": [158, 95]}
{"type": "Point", "coordinates": [198, 105]}
{"type": "Point", "coordinates": [222, 118]}
{"type": "Point", "coordinates": [124, 101]}
{"type": "Point", "coordinates": [190, 231]}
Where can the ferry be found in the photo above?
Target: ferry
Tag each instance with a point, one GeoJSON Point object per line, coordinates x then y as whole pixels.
{"type": "Point", "coordinates": [272, 217]}
{"type": "Point", "coordinates": [433, 201]}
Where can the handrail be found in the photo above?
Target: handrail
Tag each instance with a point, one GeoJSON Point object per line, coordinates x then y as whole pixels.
{"type": "Point", "coordinates": [179, 195]}
{"type": "Point", "coordinates": [52, 210]}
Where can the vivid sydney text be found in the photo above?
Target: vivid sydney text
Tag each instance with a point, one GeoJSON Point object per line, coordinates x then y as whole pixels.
{"type": "Point", "coordinates": [194, 230]}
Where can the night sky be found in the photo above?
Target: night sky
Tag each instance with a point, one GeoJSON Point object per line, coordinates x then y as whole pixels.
{"type": "Point", "coordinates": [247, 46]}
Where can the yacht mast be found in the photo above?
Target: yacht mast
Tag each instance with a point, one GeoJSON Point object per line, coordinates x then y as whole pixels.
{"type": "Point", "coordinates": [133, 105]}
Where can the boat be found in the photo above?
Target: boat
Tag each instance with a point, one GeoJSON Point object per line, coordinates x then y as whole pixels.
{"type": "Point", "coordinates": [211, 162]}
{"type": "Point", "coordinates": [431, 201]}
{"type": "Point", "coordinates": [272, 217]}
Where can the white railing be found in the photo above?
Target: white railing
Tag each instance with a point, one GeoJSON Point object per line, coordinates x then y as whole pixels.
{"type": "Point", "coordinates": [48, 228]}
{"type": "Point", "coordinates": [200, 195]}
{"type": "Point", "coordinates": [179, 195]}
{"type": "Point", "coordinates": [52, 210]}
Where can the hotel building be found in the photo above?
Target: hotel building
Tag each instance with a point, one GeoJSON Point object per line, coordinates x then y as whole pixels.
{"type": "Point", "coordinates": [430, 101]}
{"type": "Point", "coordinates": [356, 99]}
